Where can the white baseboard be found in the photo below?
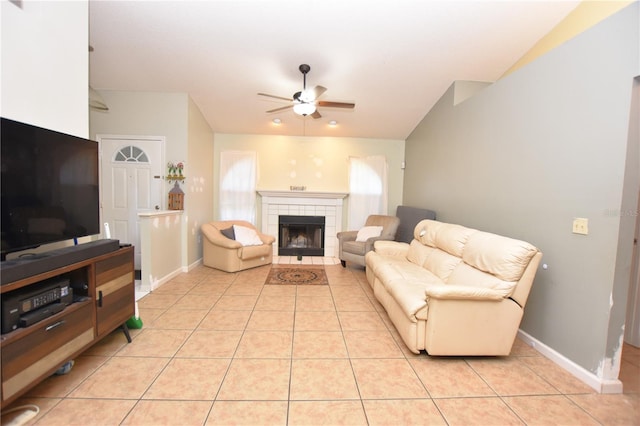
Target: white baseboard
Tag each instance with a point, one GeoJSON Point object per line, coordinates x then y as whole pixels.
{"type": "Point", "coordinates": [192, 266]}
{"type": "Point", "coordinates": [157, 283]}
{"type": "Point", "coordinates": [595, 382]}
{"type": "Point", "coordinates": [168, 277]}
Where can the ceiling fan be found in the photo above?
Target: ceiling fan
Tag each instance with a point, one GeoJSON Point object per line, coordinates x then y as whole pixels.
{"type": "Point", "coordinates": [306, 101]}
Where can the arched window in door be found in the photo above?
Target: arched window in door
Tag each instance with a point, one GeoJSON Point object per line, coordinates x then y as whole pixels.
{"type": "Point", "coordinates": [131, 154]}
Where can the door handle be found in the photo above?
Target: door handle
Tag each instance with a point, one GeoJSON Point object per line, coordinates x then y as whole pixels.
{"type": "Point", "coordinates": [157, 207]}
{"type": "Point", "coordinates": [100, 299]}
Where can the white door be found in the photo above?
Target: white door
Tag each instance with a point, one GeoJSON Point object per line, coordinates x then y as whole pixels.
{"type": "Point", "coordinates": [632, 325]}
{"type": "Point", "coordinates": [131, 183]}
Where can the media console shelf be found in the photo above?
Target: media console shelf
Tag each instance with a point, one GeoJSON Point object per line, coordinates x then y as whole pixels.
{"type": "Point", "coordinates": [103, 300]}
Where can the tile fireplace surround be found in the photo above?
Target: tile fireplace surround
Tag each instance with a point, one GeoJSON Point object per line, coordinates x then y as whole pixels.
{"type": "Point", "coordinates": [303, 203]}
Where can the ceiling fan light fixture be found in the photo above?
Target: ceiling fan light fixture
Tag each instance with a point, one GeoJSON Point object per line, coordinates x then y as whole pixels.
{"type": "Point", "coordinates": [307, 95]}
{"type": "Point", "coordinates": [305, 102]}
{"type": "Point", "coordinates": [333, 123]}
{"type": "Point", "coordinates": [304, 109]}
{"type": "Point", "coordinates": [277, 121]}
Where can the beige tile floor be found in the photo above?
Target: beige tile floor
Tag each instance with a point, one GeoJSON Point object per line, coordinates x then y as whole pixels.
{"type": "Point", "coordinates": [219, 348]}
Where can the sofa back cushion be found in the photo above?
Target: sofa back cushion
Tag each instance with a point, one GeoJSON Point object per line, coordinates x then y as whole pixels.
{"type": "Point", "coordinates": [436, 261]}
{"type": "Point", "coordinates": [441, 264]}
{"type": "Point", "coordinates": [445, 236]}
{"type": "Point", "coordinates": [504, 257]}
{"type": "Point", "coordinates": [465, 256]}
{"type": "Point", "coordinates": [418, 252]}
{"type": "Point", "coordinates": [389, 225]}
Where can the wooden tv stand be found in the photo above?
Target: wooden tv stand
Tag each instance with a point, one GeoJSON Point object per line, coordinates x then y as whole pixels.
{"type": "Point", "coordinates": [104, 299]}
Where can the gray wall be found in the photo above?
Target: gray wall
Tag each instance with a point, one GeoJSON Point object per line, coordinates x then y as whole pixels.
{"type": "Point", "coordinates": [526, 155]}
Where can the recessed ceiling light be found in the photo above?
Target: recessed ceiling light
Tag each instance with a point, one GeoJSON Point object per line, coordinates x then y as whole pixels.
{"type": "Point", "coordinates": [333, 123]}
{"type": "Point", "coordinates": [276, 121]}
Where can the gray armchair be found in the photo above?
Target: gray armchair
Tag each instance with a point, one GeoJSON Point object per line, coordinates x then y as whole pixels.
{"type": "Point", "coordinates": [354, 251]}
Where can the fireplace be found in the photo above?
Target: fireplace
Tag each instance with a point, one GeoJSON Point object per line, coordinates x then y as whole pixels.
{"type": "Point", "coordinates": [301, 235]}
{"type": "Point", "coordinates": [304, 203]}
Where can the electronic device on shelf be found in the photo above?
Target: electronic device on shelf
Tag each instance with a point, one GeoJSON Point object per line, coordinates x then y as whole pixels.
{"type": "Point", "coordinates": [49, 186]}
{"type": "Point", "coordinates": [24, 307]}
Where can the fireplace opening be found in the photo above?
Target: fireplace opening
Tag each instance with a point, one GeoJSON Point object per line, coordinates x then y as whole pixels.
{"type": "Point", "coordinates": [301, 235]}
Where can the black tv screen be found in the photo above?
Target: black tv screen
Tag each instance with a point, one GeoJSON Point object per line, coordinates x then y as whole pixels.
{"type": "Point", "coordinates": [49, 186]}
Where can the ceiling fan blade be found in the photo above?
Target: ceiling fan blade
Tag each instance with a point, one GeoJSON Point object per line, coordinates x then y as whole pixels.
{"type": "Point", "coordinates": [318, 91]}
{"type": "Point", "coordinates": [335, 104]}
{"type": "Point", "coordinates": [274, 96]}
{"type": "Point", "coordinates": [316, 114]}
{"type": "Point", "coordinates": [281, 108]}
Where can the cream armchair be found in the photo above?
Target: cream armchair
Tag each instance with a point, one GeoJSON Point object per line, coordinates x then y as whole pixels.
{"type": "Point", "coordinates": [353, 245]}
{"type": "Point", "coordinates": [230, 254]}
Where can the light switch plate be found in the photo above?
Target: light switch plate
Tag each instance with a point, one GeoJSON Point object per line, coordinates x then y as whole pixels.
{"type": "Point", "coordinates": [581, 226]}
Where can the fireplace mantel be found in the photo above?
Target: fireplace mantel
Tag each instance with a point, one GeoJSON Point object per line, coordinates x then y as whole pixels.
{"type": "Point", "coordinates": [302, 194]}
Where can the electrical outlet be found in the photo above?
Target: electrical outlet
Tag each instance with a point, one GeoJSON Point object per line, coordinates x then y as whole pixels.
{"type": "Point", "coordinates": [581, 226]}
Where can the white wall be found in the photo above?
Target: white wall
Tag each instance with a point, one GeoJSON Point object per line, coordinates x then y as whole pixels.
{"type": "Point", "coordinates": [188, 138]}
{"type": "Point", "coordinates": [161, 237]}
{"type": "Point", "coordinates": [319, 163]}
{"type": "Point", "coordinates": [146, 113]}
{"type": "Point", "coordinates": [528, 154]}
{"type": "Point", "coordinates": [44, 69]}
{"type": "Point", "coordinates": [199, 185]}
{"type": "Point", "coordinates": [45, 63]}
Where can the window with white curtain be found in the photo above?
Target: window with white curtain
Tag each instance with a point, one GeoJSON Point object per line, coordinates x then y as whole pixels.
{"type": "Point", "coordinates": [238, 176]}
{"type": "Point", "coordinates": [367, 188]}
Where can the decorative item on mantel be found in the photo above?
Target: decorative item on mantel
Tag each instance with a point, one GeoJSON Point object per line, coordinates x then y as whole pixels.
{"type": "Point", "coordinates": [297, 188]}
{"type": "Point", "coordinates": [176, 198]}
{"type": "Point", "coordinates": [174, 172]}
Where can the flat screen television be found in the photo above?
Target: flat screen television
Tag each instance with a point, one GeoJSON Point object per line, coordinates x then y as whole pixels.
{"type": "Point", "coordinates": [49, 186]}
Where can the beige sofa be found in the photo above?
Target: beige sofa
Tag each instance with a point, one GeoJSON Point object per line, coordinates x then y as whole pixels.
{"type": "Point", "coordinates": [226, 254]}
{"type": "Point", "coordinates": [454, 290]}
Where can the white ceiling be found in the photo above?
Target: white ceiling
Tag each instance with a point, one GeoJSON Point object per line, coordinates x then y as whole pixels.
{"type": "Point", "coordinates": [393, 58]}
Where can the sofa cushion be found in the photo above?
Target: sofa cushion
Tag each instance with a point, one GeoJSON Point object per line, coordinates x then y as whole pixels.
{"type": "Point", "coordinates": [452, 238]}
{"type": "Point", "coordinates": [504, 257]}
{"type": "Point", "coordinates": [445, 236]}
{"type": "Point", "coordinates": [418, 252]}
{"type": "Point", "coordinates": [406, 282]}
{"type": "Point", "coordinates": [228, 232]}
{"type": "Point", "coordinates": [401, 270]}
{"type": "Point", "coordinates": [246, 236]}
{"type": "Point", "coordinates": [466, 275]}
{"type": "Point", "coordinates": [411, 296]}
{"type": "Point", "coordinates": [367, 232]}
{"type": "Point", "coordinates": [426, 231]}
{"type": "Point", "coordinates": [441, 264]}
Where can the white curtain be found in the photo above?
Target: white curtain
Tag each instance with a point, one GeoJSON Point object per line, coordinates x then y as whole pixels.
{"type": "Point", "coordinates": [238, 176]}
{"type": "Point", "coordinates": [367, 189]}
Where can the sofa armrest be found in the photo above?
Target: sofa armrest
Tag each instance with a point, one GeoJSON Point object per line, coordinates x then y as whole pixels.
{"type": "Point", "coordinates": [391, 248]}
{"type": "Point", "coordinates": [266, 239]}
{"type": "Point", "coordinates": [347, 235]}
{"type": "Point", "coordinates": [463, 292]}
{"type": "Point", "coordinates": [369, 244]}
